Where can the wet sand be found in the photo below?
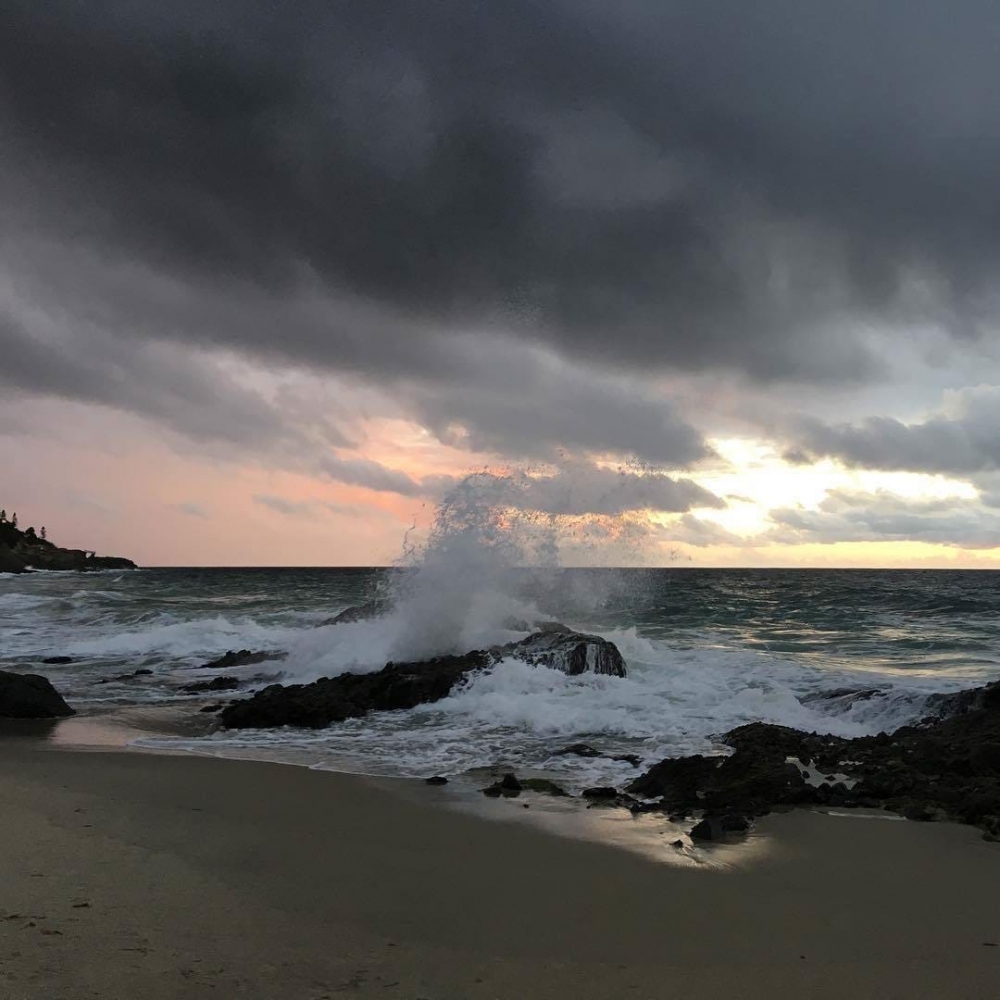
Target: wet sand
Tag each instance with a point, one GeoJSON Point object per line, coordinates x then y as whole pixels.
{"type": "Point", "coordinates": [130, 875]}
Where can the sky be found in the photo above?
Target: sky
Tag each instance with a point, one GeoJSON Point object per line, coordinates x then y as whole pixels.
{"type": "Point", "coordinates": [706, 284]}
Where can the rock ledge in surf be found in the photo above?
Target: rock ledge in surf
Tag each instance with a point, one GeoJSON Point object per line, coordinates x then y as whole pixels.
{"type": "Point", "coordinates": [333, 699]}
{"type": "Point", "coordinates": [940, 769]}
{"type": "Point", "coordinates": [30, 696]}
{"type": "Point", "coordinates": [574, 653]}
{"type": "Point", "coordinates": [405, 685]}
{"type": "Point", "coordinates": [242, 658]}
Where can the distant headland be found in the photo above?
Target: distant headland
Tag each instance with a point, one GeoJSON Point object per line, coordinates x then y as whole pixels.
{"type": "Point", "coordinates": [23, 551]}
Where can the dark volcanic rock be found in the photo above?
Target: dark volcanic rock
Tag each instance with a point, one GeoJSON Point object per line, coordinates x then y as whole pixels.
{"type": "Point", "coordinates": [436, 780]}
{"type": "Point", "coordinates": [217, 707]}
{"type": "Point", "coordinates": [333, 699]}
{"type": "Point", "coordinates": [677, 780]}
{"type": "Point", "coordinates": [571, 652]}
{"type": "Point", "coordinates": [142, 672]}
{"type": "Point", "coordinates": [841, 699]}
{"type": "Point", "coordinates": [30, 696]}
{"type": "Point", "coordinates": [579, 750]}
{"type": "Point", "coordinates": [242, 658]}
{"type": "Point", "coordinates": [716, 827]}
{"type": "Point", "coordinates": [511, 786]}
{"type": "Point", "coordinates": [602, 792]}
{"type": "Point", "coordinates": [942, 768]}
{"type": "Point", "coordinates": [52, 660]}
{"type": "Point", "coordinates": [947, 706]}
{"type": "Point", "coordinates": [585, 750]}
{"type": "Point", "coordinates": [404, 685]}
{"type": "Point", "coordinates": [215, 684]}
{"type": "Point", "coordinates": [544, 787]}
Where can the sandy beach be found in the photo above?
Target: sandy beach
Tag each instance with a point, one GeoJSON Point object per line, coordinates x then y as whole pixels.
{"type": "Point", "coordinates": [131, 875]}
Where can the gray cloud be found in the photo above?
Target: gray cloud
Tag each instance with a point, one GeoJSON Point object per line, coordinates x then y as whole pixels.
{"type": "Point", "coordinates": [290, 508]}
{"type": "Point", "coordinates": [373, 475]}
{"type": "Point", "coordinates": [579, 488]}
{"type": "Point", "coordinates": [191, 509]}
{"type": "Point", "coordinates": [962, 442]}
{"type": "Point", "coordinates": [191, 395]}
{"type": "Point", "coordinates": [695, 531]}
{"type": "Point", "coordinates": [846, 516]}
{"type": "Point", "coordinates": [644, 186]}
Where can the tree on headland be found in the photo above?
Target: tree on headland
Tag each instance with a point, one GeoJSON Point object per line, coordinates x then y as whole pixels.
{"type": "Point", "coordinates": [13, 520]}
{"type": "Point", "coordinates": [3, 517]}
{"type": "Point", "coordinates": [30, 533]}
{"type": "Point", "coordinates": [44, 533]}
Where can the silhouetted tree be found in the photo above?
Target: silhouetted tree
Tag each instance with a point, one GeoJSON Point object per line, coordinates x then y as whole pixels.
{"type": "Point", "coordinates": [3, 517]}
{"type": "Point", "coordinates": [44, 534]}
{"type": "Point", "coordinates": [13, 520]}
{"type": "Point", "coordinates": [30, 533]}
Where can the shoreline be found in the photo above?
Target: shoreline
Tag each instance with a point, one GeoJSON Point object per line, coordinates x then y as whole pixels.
{"type": "Point", "coordinates": [176, 876]}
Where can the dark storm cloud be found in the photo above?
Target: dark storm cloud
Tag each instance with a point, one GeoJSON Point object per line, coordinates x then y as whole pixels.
{"type": "Point", "coordinates": [964, 442]}
{"type": "Point", "coordinates": [647, 185]}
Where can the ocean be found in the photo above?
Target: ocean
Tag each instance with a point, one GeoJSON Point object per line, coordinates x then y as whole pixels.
{"type": "Point", "coordinates": [706, 650]}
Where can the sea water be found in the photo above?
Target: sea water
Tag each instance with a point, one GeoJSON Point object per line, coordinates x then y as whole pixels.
{"type": "Point", "coordinates": [706, 650]}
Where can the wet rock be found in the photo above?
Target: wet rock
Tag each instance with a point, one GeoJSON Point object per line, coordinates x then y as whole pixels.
{"type": "Point", "coordinates": [437, 779]}
{"type": "Point", "coordinates": [578, 750]}
{"type": "Point", "coordinates": [217, 707]}
{"type": "Point", "coordinates": [628, 758]}
{"type": "Point", "coordinates": [142, 672]}
{"type": "Point", "coordinates": [333, 699]}
{"type": "Point", "coordinates": [215, 684]}
{"type": "Point", "coordinates": [53, 660]}
{"type": "Point", "coordinates": [585, 750]}
{"type": "Point", "coordinates": [404, 685]}
{"type": "Point", "coordinates": [942, 768]}
{"type": "Point", "coordinates": [509, 787]}
{"type": "Point", "coordinates": [544, 787]}
{"type": "Point", "coordinates": [509, 783]}
{"type": "Point", "coordinates": [601, 792]}
{"type": "Point", "coordinates": [571, 652]}
{"type": "Point", "coordinates": [717, 827]}
{"type": "Point", "coordinates": [841, 699]}
{"type": "Point", "coordinates": [30, 696]}
{"type": "Point", "coordinates": [947, 706]}
{"type": "Point", "coordinates": [242, 658]}
{"type": "Point", "coordinates": [676, 780]}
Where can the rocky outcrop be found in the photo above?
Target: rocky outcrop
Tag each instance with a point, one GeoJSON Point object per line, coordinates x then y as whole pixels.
{"type": "Point", "coordinates": [215, 684]}
{"type": "Point", "coordinates": [30, 696]}
{"type": "Point", "coordinates": [404, 685]}
{"type": "Point", "coordinates": [942, 768]}
{"type": "Point", "coordinates": [131, 676]}
{"type": "Point", "coordinates": [586, 750]}
{"type": "Point", "coordinates": [242, 658]}
{"type": "Point", "coordinates": [560, 648]}
{"type": "Point", "coordinates": [333, 699]}
{"type": "Point", "coordinates": [21, 551]}
{"type": "Point", "coordinates": [510, 786]}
